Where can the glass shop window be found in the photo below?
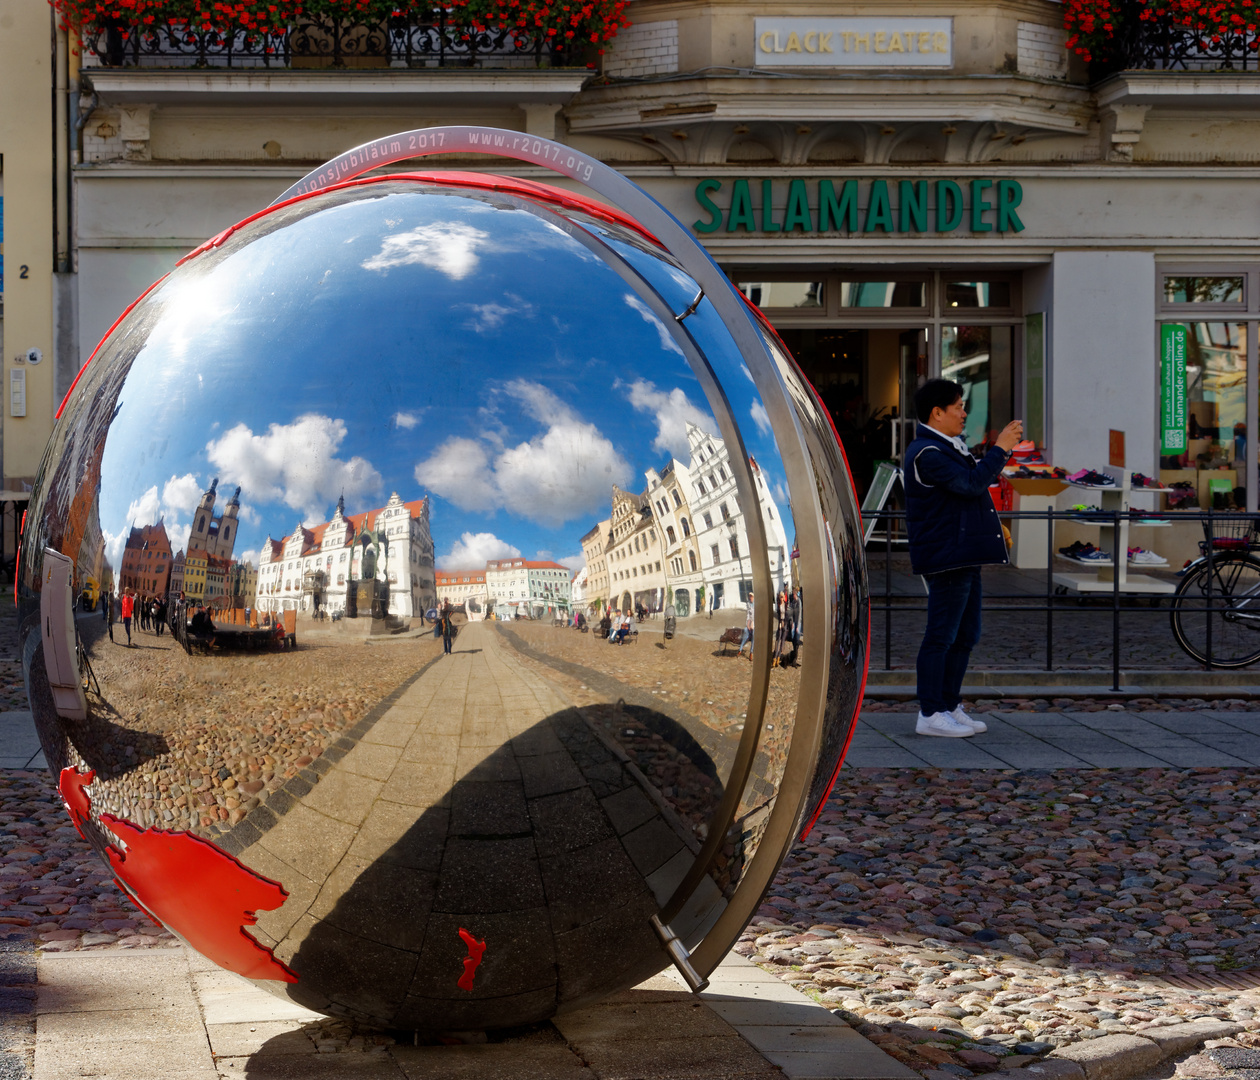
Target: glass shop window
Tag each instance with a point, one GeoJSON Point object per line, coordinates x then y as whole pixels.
{"type": "Point", "coordinates": [981, 360]}
{"type": "Point", "coordinates": [1214, 463]}
{"type": "Point", "coordinates": [783, 294]}
{"type": "Point", "coordinates": [977, 294]}
{"type": "Point", "coordinates": [883, 294]}
{"type": "Point", "coordinates": [1179, 289]}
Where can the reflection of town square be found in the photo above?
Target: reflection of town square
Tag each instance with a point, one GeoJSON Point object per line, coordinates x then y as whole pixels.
{"type": "Point", "coordinates": [198, 741]}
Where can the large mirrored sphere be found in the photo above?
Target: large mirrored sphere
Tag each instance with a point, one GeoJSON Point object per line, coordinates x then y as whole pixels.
{"type": "Point", "coordinates": [302, 631]}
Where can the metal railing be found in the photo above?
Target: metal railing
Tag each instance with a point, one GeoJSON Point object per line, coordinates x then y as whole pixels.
{"type": "Point", "coordinates": [324, 41]}
{"type": "Point", "coordinates": [1226, 537]}
{"type": "Point", "coordinates": [1158, 43]}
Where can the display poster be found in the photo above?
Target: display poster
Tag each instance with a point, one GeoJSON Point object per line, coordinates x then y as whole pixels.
{"type": "Point", "coordinates": [1115, 448]}
{"type": "Point", "coordinates": [1173, 418]}
{"type": "Point", "coordinates": [1035, 378]}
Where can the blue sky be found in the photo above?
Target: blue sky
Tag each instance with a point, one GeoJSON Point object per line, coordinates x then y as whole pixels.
{"type": "Point", "coordinates": [420, 342]}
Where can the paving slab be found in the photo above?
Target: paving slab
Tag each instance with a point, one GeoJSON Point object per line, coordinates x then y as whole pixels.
{"type": "Point", "coordinates": [172, 1015]}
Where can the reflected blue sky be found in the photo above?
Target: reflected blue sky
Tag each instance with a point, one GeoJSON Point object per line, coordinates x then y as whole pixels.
{"type": "Point", "coordinates": [409, 339]}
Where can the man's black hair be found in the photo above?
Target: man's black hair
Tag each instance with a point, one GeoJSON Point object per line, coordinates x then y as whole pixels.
{"type": "Point", "coordinates": [935, 394]}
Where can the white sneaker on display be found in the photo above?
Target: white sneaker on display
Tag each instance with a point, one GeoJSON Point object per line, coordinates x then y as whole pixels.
{"type": "Point", "coordinates": [976, 725]}
{"type": "Point", "coordinates": [944, 725]}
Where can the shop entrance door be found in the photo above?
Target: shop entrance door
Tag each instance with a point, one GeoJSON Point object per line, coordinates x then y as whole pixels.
{"type": "Point", "coordinates": [866, 377]}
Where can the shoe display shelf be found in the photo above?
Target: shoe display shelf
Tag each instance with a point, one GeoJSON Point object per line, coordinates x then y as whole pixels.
{"type": "Point", "coordinates": [1111, 500]}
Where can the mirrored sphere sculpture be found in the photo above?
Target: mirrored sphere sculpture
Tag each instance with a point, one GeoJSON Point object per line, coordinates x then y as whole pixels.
{"type": "Point", "coordinates": [301, 631]}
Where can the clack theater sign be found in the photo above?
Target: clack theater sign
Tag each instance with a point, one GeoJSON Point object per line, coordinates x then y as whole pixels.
{"type": "Point", "coordinates": [857, 207]}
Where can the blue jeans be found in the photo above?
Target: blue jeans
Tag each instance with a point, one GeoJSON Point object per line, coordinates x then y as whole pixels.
{"type": "Point", "coordinates": [953, 628]}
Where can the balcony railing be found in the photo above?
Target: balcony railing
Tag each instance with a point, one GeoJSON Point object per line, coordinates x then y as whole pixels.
{"type": "Point", "coordinates": [320, 42]}
{"type": "Point", "coordinates": [1148, 35]}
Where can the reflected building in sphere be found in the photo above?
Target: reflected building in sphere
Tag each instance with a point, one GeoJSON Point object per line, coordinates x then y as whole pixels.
{"type": "Point", "coordinates": [316, 567]}
{"type": "Point", "coordinates": [401, 831]}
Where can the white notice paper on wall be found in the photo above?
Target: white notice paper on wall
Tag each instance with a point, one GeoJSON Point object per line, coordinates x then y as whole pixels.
{"type": "Point", "coordinates": [865, 42]}
{"type": "Point", "coordinates": [17, 392]}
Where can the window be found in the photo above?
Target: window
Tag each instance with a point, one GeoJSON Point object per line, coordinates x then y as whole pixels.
{"type": "Point", "coordinates": [685, 527]}
{"type": "Point", "coordinates": [708, 520]}
{"type": "Point", "coordinates": [658, 566]}
{"type": "Point", "coordinates": [883, 294]}
{"type": "Point", "coordinates": [1215, 436]}
{"type": "Point", "coordinates": [717, 555]}
{"type": "Point", "coordinates": [700, 487]}
{"type": "Point", "coordinates": [783, 294]}
{"type": "Point", "coordinates": [1204, 290]}
{"type": "Point", "coordinates": [980, 359]}
{"type": "Point", "coordinates": [734, 542]}
{"type": "Point", "coordinates": [677, 498]}
{"type": "Point", "coordinates": [669, 532]}
{"type": "Point", "coordinates": [977, 294]}
{"type": "Point", "coordinates": [726, 514]}
{"type": "Point", "coordinates": [722, 472]}
{"type": "Point", "coordinates": [691, 555]}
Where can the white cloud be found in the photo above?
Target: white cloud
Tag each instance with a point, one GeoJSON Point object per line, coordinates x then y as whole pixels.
{"type": "Point", "coordinates": [573, 562]}
{"type": "Point", "coordinates": [406, 420]}
{"type": "Point", "coordinates": [447, 246]}
{"type": "Point", "coordinates": [491, 316]}
{"type": "Point", "coordinates": [472, 550]}
{"type": "Point", "coordinates": [760, 417]}
{"type": "Point", "coordinates": [673, 411]}
{"type": "Point", "coordinates": [178, 536]}
{"type": "Point", "coordinates": [295, 464]}
{"type": "Point", "coordinates": [556, 476]}
{"type": "Point", "coordinates": [146, 509]}
{"type": "Point", "coordinates": [459, 470]}
{"type": "Point", "coordinates": [649, 317]}
{"type": "Point", "coordinates": [181, 494]}
{"type": "Point", "coordinates": [250, 556]}
{"type": "Point", "coordinates": [249, 515]}
{"type": "Point", "coordinates": [544, 554]}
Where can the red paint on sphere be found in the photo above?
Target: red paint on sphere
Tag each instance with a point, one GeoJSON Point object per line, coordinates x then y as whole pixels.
{"type": "Point", "coordinates": [476, 949]}
{"type": "Point", "coordinates": [188, 884]}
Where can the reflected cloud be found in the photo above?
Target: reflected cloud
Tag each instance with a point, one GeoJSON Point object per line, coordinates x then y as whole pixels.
{"type": "Point", "coordinates": [476, 549]}
{"type": "Point", "coordinates": [294, 464]}
{"type": "Point", "coordinates": [649, 317]}
{"type": "Point", "coordinates": [407, 420]}
{"type": "Point", "coordinates": [760, 417]}
{"type": "Point", "coordinates": [491, 316]}
{"type": "Point", "coordinates": [180, 493]}
{"type": "Point", "coordinates": [672, 410]}
{"type": "Point", "coordinates": [550, 479]}
{"type": "Point", "coordinates": [450, 247]}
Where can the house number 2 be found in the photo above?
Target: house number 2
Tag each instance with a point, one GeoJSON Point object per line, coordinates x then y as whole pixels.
{"type": "Point", "coordinates": [24, 272]}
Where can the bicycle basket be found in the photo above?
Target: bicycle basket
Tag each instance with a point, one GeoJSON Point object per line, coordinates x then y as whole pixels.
{"type": "Point", "coordinates": [1230, 532]}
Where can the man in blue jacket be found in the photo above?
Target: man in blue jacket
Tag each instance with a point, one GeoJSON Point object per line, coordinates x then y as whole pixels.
{"type": "Point", "coordinates": [953, 530]}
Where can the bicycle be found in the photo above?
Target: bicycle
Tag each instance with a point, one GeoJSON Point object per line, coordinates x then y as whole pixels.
{"type": "Point", "coordinates": [1216, 608]}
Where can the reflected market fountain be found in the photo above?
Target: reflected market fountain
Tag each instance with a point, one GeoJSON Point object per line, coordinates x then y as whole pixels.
{"type": "Point", "coordinates": [342, 723]}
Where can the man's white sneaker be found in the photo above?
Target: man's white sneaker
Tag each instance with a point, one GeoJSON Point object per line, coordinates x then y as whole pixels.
{"type": "Point", "coordinates": [976, 725]}
{"type": "Point", "coordinates": [944, 725]}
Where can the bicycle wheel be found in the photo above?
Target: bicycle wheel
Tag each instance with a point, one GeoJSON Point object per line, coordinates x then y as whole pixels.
{"type": "Point", "coordinates": [1233, 625]}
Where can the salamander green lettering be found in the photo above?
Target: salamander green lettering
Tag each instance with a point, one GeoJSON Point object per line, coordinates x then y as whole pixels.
{"type": "Point", "coordinates": [740, 215]}
{"type": "Point", "coordinates": [949, 206]}
{"type": "Point", "coordinates": [1010, 194]}
{"type": "Point", "coordinates": [797, 215]}
{"type": "Point", "coordinates": [841, 213]}
{"type": "Point", "coordinates": [708, 206]}
{"type": "Point", "coordinates": [878, 210]}
{"type": "Point", "coordinates": [913, 199]}
{"type": "Point", "coordinates": [768, 224]}
{"type": "Point", "coordinates": [979, 206]}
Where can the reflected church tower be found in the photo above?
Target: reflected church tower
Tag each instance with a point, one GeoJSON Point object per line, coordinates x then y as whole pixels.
{"type": "Point", "coordinates": [215, 535]}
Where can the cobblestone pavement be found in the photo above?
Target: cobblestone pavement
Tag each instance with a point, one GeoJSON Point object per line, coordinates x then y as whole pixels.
{"type": "Point", "coordinates": [247, 722]}
{"type": "Point", "coordinates": [966, 921]}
